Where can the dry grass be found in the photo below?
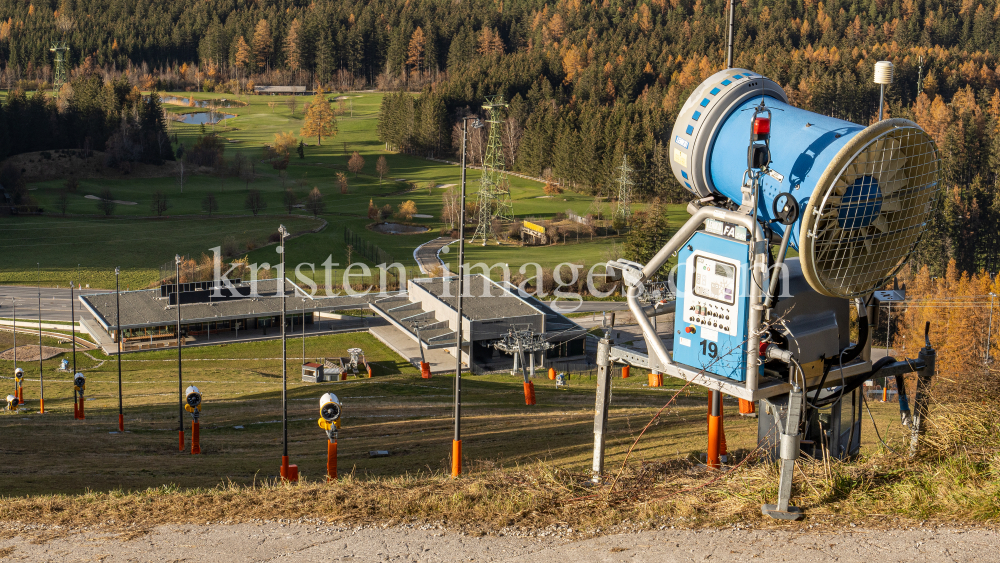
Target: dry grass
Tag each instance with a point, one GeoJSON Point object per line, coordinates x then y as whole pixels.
{"type": "Point", "coordinates": [880, 489]}
{"type": "Point", "coordinates": [526, 466]}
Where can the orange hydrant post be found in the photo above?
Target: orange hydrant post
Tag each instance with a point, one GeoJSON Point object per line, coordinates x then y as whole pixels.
{"type": "Point", "coordinates": [625, 372]}
{"type": "Point", "coordinates": [289, 473]}
{"type": "Point", "coordinates": [456, 458]}
{"type": "Point", "coordinates": [195, 444]}
{"type": "Point", "coordinates": [425, 370]}
{"type": "Point", "coordinates": [82, 416]}
{"type": "Point", "coordinates": [331, 460]}
{"type": "Point", "coordinates": [713, 442]}
{"type": "Point", "coordinates": [121, 423]}
{"type": "Point", "coordinates": [529, 393]}
{"type": "Point", "coordinates": [552, 373]}
{"type": "Point", "coordinates": [715, 439]}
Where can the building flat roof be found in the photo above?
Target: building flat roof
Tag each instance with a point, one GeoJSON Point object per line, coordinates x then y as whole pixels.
{"type": "Point", "coordinates": [145, 308]}
{"type": "Point", "coordinates": [484, 299]}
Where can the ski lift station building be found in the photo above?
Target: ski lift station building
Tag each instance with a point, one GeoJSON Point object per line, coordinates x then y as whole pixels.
{"type": "Point", "coordinates": [211, 314]}
{"type": "Point", "coordinates": [428, 314]}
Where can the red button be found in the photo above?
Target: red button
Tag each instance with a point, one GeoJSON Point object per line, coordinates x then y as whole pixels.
{"type": "Point", "coordinates": [689, 330]}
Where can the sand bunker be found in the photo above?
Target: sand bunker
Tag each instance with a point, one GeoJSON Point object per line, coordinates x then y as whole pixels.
{"type": "Point", "coordinates": [29, 353]}
{"type": "Point", "coordinates": [118, 201]}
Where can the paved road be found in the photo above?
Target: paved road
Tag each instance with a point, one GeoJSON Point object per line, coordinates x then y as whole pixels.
{"type": "Point", "coordinates": [323, 543]}
{"type": "Point", "coordinates": [55, 302]}
{"type": "Point", "coordinates": [426, 254]}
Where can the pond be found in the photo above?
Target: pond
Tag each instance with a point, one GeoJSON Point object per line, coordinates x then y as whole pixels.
{"type": "Point", "coordinates": [398, 229]}
{"type": "Point", "coordinates": [202, 117]}
{"type": "Point", "coordinates": [223, 103]}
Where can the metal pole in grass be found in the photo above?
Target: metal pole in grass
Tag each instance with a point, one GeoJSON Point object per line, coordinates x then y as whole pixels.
{"type": "Point", "coordinates": [288, 472]}
{"type": "Point", "coordinates": [13, 313]}
{"type": "Point", "coordinates": [180, 340]}
{"type": "Point", "coordinates": [72, 315]}
{"type": "Point", "coordinates": [118, 332]}
{"type": "Point", "coordinates": [41, 378]}
{"type": "Point", "coordinates": [456, 444]}
{"type": "Point", "coordinates": [72, 319]}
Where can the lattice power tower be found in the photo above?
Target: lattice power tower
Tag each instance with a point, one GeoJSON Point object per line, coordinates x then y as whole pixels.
{"type": "Point", "coordinates": [59, 74]}
{"type": "Point", "coordinates": [625, 184]}
{"type": "Point", "coordinates": [494, 188]}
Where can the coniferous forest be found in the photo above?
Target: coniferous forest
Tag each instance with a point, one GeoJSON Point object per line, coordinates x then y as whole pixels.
{"type": "Point", "coordinates": [587, 82]}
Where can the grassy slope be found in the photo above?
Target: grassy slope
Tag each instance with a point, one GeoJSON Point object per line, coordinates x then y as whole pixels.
{"type": "Point", "coordinates": [395, 411]}
{"type": "Point", "coordinates": [59, 249]}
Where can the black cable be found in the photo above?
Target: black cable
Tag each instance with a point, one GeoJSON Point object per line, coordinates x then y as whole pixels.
{"type": "Point", "coordinates": [874, 425]}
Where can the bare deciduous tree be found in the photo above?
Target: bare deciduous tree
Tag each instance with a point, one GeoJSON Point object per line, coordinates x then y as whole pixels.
{"type": "Point", "coordinates": [314, 202]}
{"type": "Point", "coordinates": [159, 203]}
{"type": "Point", "coordinates": [62, 201]}
{"type": "Point", "coordinates": [512, 133]}
{"type": "Point", "coordinates": [381, 168]}
{"type": "Point", "coordinates": [451, 208]}
{"type": "Point", "coordinates": [210, 204]}
{"type": "Point", "coordinates": [255, 202]}
{"type": "Point", "coordinates": [356, 163]}
{"type": "Point", "coordinates": [107, 203]}
{"type": "Point", "coordinates": [290, 199]}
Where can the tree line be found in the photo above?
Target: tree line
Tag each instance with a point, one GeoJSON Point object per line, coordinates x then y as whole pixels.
{"type": "Point", "coordinates": [587, 82]}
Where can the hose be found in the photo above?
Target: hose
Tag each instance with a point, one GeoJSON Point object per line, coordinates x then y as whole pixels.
{"type": "Point", "coordinates": [851, 352]}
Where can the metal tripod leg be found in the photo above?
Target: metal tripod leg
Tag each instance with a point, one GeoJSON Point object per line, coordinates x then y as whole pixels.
{"type": "Point", "coordinates": [789, 452]}
{"type": "Point", "coordinates": [927, 355]}
{"type": "Point", "coordinates": [601, 406]}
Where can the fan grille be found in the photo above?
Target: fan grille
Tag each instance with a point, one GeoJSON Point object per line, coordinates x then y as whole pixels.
{"type": "Point", "coordinates": [870, 209]}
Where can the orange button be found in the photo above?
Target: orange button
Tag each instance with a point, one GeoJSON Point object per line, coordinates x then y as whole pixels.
{"type": "Point", "coordinates": [689, 330]}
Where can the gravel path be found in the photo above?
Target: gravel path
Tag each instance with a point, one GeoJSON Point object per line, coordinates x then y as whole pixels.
{"type": "Point", "coordinates": [315, 543]}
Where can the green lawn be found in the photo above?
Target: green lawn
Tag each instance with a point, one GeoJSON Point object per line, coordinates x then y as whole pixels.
{"type": "Point", "coordinates": [138, 244]}
{"type": "Point", "coordinates": [48, 249]}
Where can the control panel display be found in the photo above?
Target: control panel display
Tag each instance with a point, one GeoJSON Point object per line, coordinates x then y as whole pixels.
{"type": "Point", "coordinates": [715, 280]}
{"type": "Point", "coordinates": [711, 303]}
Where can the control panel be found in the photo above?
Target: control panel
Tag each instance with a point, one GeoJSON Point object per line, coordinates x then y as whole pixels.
{"type": "Point", "coordinates": [712, 305]}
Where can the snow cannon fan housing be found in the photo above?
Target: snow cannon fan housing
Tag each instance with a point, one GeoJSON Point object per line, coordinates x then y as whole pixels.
{"type": "Point", "coordinates": [865, 193]}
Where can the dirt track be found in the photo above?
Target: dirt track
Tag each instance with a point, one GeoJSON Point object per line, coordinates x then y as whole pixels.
{"type": "Point", "coordinates": [303, 542]}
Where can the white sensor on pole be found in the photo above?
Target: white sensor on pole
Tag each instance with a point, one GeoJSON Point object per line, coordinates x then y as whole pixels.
{"type": "Point", "coordinates": [883, 77]}
{"type": "Point", "coordinates": [883, 72]}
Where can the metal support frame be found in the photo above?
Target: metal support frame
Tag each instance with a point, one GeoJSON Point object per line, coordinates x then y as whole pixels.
{"type": "Point", "coordinates": [601, 404]}
{"type": "Point", "coordinates": [928, 356]}
{"type": "Point", "coordinates": [789, 452]}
